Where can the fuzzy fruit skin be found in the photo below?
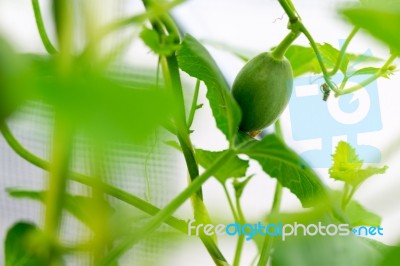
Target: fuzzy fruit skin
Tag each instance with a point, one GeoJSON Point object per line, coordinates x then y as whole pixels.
{"type": "Point", "coordinates": [262, 89]}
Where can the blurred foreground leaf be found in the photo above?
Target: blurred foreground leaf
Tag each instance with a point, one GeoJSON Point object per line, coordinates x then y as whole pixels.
{"type": "Point", "coordinates": [359, 216]}
{"type": "Point", "coordinates": [380, 18]}
{"type": "Point", "coordinates": [15, 79]}
{"type": "Point", "coordinates": [194, 59]}
{"type": "Point", "coordinates": [392, 258]}
{"type": "Point", "coordinates": [26, 245]}
{"type": "Point", "coordinates": [83, 208]}
{"type": "Point", "coordinates": [325, 251]}
{"type": "Point", "coordinates": [280, 162]}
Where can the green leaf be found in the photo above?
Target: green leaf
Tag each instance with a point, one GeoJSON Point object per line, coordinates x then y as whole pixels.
{"type": "Point", "coordinates": [347, 166]}
{"type": "Point", "coordinates": [303, 59]}
{"type": "Point", "coordinates": [280, 162]}
{"type": "Point", "coordinates": [392, 258]}
{"type": "Point", "coordinates": [165, 46]}
{"type": "Point", "coordinates": [381, 22]}
{"type": "Point", "coordinates": [359, 216]}
{"type": "Point", "coordinates": [356, 213]}
{"type": "Point", "coordinates": [330, 55]}
{"type": "Point", "coordinates": [194, 59]}
{"type": "Point", "coordinates": [236, 167]}
{"type": "Point", "coordinates": [83, 208]}
{"type": "Point", "coordinates": [15, 79]}
{"type": "Point", "coordinates": [25, 245]}
{"type": "Point", "coordinates": [325, 251]}
{"type": "Point", "coordinates": [107, 108]}
{"type": "Point", "coordinates": [365, 71]}
{"type": "Point", "coordinates": [239, 186]}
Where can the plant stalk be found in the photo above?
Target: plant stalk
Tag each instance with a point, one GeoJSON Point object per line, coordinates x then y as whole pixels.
{"type": "Point", "coordinates": [343, 50]}
{"type": "Point", "coordinates": [169, 209]}
{"type": "Point", "coordinates": [369, 80]}
{"type": "Point", "coordinates": [42, 29]}
{"type": "Point", "coordinates": [276, 203]}
{"type": "Point", "coordinates": [240, 243]}
{"type": "Point", "coordinates": [268, 241]}
{"type": "Point", "coordinates": [279, 52]}
{"type": "Point", "coordinates": [58, 178]}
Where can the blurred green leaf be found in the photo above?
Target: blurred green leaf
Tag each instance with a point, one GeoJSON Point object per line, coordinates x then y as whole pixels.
{"type": "Point", "coordinates": [392, 258]}
{"type": "Point", "coordinates": [25, 245]}
{"type": "Point", "coordinates": [380, 20]}
{"type": "Point", "coordinates": [365, 71]}
{"type": "Point", "coordinates": [101, 105]}
{"type": "Point", "coordinates": [325, 251]}
{"type": "Point", "coordinates": [194, 59]}
{"type": "Point", "coordinates": [14, 80]}
{"type": "Point", "coordinates": [381, 4]}
{"type": "Point", "coordinates": [83, 208]}
{"type": "Point", "coordinates": [107, 109]}
{"type": "Point", "coordinates": [236, 167]}
{"type": "Point", "coordinates": [347, 166]}
{"type": "Point", "coordinates": [280, 162]}
{"type": "Point", "coordinates": [359, 216]}
{"type": "Point", "coordinates": [356, 213]}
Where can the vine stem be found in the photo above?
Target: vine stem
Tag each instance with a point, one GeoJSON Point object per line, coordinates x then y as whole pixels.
{"type": "Point", "coordinates": [268, 241]}
{"type": "Point", "coordinates": [194, 106]}
{"type": "Point", "coordinates": [279, 52]}
{"type": "Point", "coordinates": [314, 46]}
{"type": "Point", "coordinates": [240, 243]}
{"type": "Point", "coordinates": [88, 181]}
{"type": "Point", "coordinates": [343, 50]}
{"type": "Point", "coordinates": [348, 196]}
{"type": "Point", "coordinates": [169, 209]}
{"type": "Point", "coordinates": [42, 29]}
{"type": "Point", "coordinates": [58, 177]}
{"type": "Point", "coordinates": [172, 79]}
{"type": "Point", "coordinates": [276, 203]}
{"type": "Point", "coordinates": [369, 80]}
{"type": "Point", "coordinates": [115, 192]}
{"type": "Point", "coordinates": [235, 215]}
{"type": "Point", "coordinates": [294, 19]}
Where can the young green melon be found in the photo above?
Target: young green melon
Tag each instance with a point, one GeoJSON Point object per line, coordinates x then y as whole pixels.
{"type": "Point", "coordinates": [262, 89]}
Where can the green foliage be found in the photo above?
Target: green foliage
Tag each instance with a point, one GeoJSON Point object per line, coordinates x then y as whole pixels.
{"type": "Point", "coordinates": [359, 216]}
{"type": "Point", "coordinates": [392, 258]}
{"type": "Point", "coordinates": [280, 162]}
{"type": "Point", "coordinates": [347, 166]}
{"type": "Point", "coordinates": [26, 245]}
{"type": "Point", "coordinates": [14, 80]}
{"type": "Point", "coordinates": [85, 209]}
{"type": "Point", "coordinates": [373, 71]}
{"type": "Point", "coordinates": [325, 251]}
{"type": "Point", "coordinates": [303, 59]}
{"type": "Point", "coordinates": [82, 90]}
{"type": "Point", "coordinates": [380, 18]}
{"type": "Point", "coordinates": [165, 46]}
{"type": "Point", "coordinates": [235, 167]}
{"type": "Point", "coordinates": [194, 59]}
